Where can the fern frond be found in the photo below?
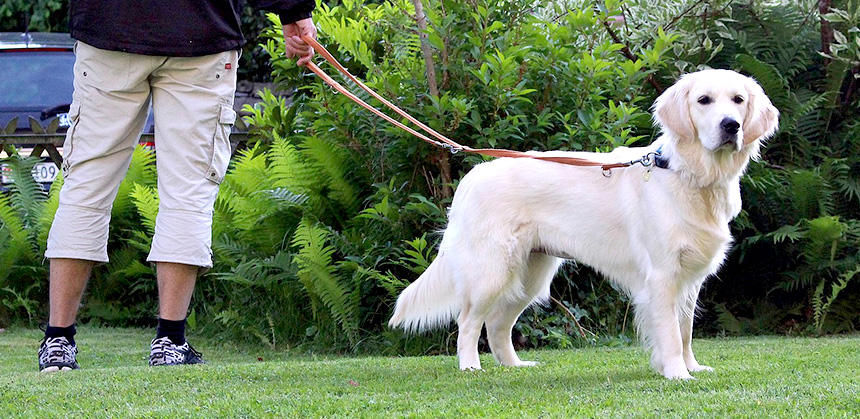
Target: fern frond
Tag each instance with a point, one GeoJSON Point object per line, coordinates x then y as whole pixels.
{"type": "Point", "coordinates": [809, 190]}
{"type": "Point", "coordinates": [821, 304]}
{"type": "Point", "coordinates": [288, 169]}
{"type": "Point", "coordinates": [17, 245]}
{"type": "Point", "coordinates": [247, 175]}
{"type": "Point", "coordinates": [46, 218]}
{"type": "Point", "coordinates": [788, 232]}
{"type": "Point", "coordinates": [140, 171]}
{"type": "Point", "coordinates": [27, 196]}
{"type": "Point", "coordinates": [20, 214]}
{"type": "Point", "coordinates": [145, 199]}
{"type": "Point", "coordinates": [768, 76]}
{"type": "Point", "coordinates": [318, 274]}
{"type": "Point", "coordinates": [332, 161]}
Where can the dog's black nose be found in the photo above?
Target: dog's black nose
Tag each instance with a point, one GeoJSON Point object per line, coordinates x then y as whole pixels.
{"type": "Point", "coordinates": [729, 125]}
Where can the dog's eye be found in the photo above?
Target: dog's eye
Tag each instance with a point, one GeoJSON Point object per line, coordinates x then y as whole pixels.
{"type": "Point", "coordinates": [738, 99]}
{"type": "Point", "coordinates": [704, 100]}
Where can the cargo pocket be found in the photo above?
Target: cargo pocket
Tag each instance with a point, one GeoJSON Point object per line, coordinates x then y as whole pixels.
{"type": "Point", "coordinates": [220, 158]}
{"type": "Point", "coordinates": [69, 142]}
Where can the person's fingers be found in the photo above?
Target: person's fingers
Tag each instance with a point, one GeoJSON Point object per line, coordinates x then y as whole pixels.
{"type": "Point", "coordinates": [294, 45]}
{"type": "Point", "coordinates": [290, 29]}
{"type": "Point", "coordinates": [306, 27]}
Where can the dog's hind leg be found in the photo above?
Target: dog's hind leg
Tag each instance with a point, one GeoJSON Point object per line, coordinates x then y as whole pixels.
{"type": "Point", "coordinates": [687, 312]}
{"type": "Point", "coordinates": [488, 283]}
{"type": "Point", "coordinates": [469, 331]}
{"type": "Point", "coordinates": [535, 282]}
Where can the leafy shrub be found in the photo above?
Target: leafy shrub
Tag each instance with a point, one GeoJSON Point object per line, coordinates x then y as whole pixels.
{"type": "Point", "coordinates": [34, 15]}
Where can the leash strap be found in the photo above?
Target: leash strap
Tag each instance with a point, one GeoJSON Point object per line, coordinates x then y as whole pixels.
{"type": "Point", "coordinates": [443, 141]}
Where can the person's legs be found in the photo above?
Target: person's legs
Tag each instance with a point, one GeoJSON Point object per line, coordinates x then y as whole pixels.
{"type": "Point", "coordinates": [193, 109]}
{"type": "Point", "coordinates": [108, 111]}
{"type": "Point", "coordinates": [175, 286]}
{"type": "Point", "coordinates": [67, 282]}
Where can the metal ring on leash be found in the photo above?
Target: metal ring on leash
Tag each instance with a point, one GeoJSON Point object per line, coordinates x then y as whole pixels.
{"type": "Point", "coordinates": [647, 160]}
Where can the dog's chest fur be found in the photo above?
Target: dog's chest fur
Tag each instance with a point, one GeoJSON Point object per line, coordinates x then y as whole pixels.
{"type": "Point", "coordinates": [707, 236]}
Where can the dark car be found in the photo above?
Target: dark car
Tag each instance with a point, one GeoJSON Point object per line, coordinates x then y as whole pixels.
{"type": "Point", "coordinates": [37, 84]}
{"type": "Point", "coordinates": [37, 78]}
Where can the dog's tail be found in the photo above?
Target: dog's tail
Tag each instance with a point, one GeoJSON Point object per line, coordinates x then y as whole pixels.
{"type": "Point", "coordinates": [429, 302]}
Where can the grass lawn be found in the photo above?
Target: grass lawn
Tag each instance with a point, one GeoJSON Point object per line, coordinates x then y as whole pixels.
{"type": "Point", "coordinates": [759, 376]}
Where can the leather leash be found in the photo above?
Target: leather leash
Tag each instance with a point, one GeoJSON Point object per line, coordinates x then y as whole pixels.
{"type": "Point", "coordinates": [444, 141]}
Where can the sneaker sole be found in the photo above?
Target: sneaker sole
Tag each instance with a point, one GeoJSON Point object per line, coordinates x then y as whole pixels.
{"type": "Point", "coordinates": [55, 369]}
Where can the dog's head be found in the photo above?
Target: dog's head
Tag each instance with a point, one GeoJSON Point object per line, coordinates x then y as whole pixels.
{"type": "Point", "coordinates": [721, 109]}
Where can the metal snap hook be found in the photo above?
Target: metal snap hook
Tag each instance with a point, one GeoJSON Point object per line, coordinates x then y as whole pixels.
{"type": "Point", "coordinates": [607, 172]}
{"type": "Point", "coordinates": [451, 148]}
{"type": "Point", "coordinates": [647, 160]}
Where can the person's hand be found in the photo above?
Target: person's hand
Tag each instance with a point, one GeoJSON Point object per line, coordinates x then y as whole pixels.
{"type": "Point", "coordinates": [296, 47]}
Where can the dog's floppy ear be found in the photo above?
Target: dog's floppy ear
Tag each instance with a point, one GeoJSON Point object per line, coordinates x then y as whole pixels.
{"type": "Point", "coordinates": [762, 117]}
{"type": "Point", "coordinates": [672, 111]}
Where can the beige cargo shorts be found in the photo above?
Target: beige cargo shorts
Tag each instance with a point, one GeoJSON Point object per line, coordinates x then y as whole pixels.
{"type": "Point", "coordinates": [192, 99]}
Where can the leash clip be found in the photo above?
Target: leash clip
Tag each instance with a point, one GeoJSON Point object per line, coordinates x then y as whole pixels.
{"type": "Point", "coordinates": [451, 148]}
{"type": "Point", "coordinates": [646, 160]}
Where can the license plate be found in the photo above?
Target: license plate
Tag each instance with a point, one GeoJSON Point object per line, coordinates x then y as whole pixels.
{"type": "Point", "coordinates": [65, 121]}
{"type": "Point", "coordinates": [44, 172]}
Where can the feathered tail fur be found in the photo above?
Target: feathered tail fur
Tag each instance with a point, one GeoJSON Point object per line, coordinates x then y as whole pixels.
{"type": "Point", "coordinates": [429, 302]}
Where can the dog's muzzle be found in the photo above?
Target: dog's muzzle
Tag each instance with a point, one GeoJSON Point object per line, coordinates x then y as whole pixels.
{"type": "Point", "coordinates": [729, 129]}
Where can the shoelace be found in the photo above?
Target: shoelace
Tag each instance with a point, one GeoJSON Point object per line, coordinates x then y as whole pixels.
{"type": "Point", "coordinates": [194, 351]}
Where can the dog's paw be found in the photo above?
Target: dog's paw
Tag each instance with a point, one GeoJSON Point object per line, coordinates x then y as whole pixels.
{"type": "Point", "coordinates": [698, 368]}
{"type": "Point", "coordinates": [524, 364]}
{"type": "Point", "coordinates": [677, 374]}
{"type": "Point", "coordinates": [680, 376]}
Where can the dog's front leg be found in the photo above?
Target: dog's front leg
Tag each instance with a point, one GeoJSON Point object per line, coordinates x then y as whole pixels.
{"type": "Point", "coordinates": [665, 331]}
{"type": "Point", "coordinates": [687, 314]}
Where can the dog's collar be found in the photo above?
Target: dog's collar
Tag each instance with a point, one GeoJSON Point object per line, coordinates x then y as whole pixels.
{"type": "Point", "coordinates": [659, 160]}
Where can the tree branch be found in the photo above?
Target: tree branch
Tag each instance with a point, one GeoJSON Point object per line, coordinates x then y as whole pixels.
{"type": "Point", "coordinates": [441, 158]}
{"type": "Point", "coordinates": [429, 64]}
{"type": "Point", "coordinates": [572, 316]}
{"type": "Point", "coordinates": [625, 50]}
{"type": "Point", "coordinates": [826, 28]}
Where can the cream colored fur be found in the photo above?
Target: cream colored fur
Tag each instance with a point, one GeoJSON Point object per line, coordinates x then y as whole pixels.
{"type": "Point", "coordinates": [514, 221]}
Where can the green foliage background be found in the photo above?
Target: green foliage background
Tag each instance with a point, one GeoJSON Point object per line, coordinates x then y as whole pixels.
{"type": "Point", "coordinates": [330, 212]}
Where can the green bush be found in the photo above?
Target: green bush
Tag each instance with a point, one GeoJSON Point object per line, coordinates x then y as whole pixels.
{"type": "Point", "coordinates": [34, 15]}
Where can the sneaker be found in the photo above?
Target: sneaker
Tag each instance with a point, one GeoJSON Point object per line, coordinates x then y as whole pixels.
{"type": "Point", "coordinates": [165, 352]}
{"type": "Point", "coordinates": [57, 354]}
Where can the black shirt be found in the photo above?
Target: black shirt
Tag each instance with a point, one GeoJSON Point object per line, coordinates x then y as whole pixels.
{"type": "Point", "coordinates": [177, 28]}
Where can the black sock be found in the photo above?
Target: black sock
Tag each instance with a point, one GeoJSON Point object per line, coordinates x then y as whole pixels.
{"type": "Point", "coordinates": [67, 332]}
{"type": "Point", "coordinates": [172, 329]}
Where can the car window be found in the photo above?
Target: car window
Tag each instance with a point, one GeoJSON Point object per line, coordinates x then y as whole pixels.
{"type": "Point", "coordinates": [36, 80]}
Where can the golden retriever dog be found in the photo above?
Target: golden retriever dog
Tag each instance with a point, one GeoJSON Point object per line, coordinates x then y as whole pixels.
{"type": "Point", "coordinates": [657, 231]}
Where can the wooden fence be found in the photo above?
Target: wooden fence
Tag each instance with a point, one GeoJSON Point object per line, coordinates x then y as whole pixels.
{"type": "Point", "coordinates": [49, 142]}
{"type": "Point", "coordinates": [44, 138]}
